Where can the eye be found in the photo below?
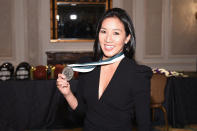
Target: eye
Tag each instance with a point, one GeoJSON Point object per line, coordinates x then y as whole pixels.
{"type": "Point", "coordinates": [102, 31]}
{"type": "Point", "coordinates": [116, 33]}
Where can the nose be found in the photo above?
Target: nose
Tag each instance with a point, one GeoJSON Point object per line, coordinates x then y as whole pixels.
{"type": "Point", "coordinates": [108, 38]}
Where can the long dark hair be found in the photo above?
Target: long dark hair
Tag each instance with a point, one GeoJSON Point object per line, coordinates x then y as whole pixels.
{"type": "Point", "coordinates": [129, 48]}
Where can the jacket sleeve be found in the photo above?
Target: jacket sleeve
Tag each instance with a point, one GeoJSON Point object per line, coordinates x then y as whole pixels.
{"type": "Point", "coordinates": [81, 107]}
{"type": "Point", "coordinates": [142, 98]}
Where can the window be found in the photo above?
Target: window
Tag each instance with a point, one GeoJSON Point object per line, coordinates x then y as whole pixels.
{"type": "Point", "coordinates": [76, 20]}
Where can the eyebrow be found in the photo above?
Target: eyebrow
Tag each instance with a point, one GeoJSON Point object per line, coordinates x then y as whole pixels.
{"type": "Point", "coordinates": [113, 29]}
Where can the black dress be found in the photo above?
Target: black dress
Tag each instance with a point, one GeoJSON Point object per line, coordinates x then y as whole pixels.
{"type": "Point", "coordinates": [127, 92]}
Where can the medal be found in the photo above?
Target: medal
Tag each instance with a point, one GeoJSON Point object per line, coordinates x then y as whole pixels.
{"type": "Point", "coordinates": [87, 67]}
{"type": "Point", "coordinates": [68, 72]}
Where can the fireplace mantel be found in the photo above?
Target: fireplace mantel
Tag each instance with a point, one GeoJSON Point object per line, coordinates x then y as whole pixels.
{"type": "Point", "coordinates": [54, 57]}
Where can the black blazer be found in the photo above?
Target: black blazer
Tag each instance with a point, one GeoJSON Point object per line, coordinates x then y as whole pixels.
{"type": "Point", "coordinates": [127, 92]}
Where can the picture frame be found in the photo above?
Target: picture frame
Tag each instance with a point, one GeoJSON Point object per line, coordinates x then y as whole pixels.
{"type": "Point", "coordinates": [75, 20]}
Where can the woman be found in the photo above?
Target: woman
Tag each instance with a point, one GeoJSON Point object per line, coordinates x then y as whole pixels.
{"type": "Point", "coordinates": [110, 93]}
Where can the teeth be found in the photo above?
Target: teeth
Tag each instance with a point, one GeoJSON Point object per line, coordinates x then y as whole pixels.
{"type": "Point", "coordinates": [109, 46]}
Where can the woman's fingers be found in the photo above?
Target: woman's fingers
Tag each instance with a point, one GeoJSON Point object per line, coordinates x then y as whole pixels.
{"type": "Point", "coordinates": [61, 80]}
{"type": "Point", "coordinates": [62, 76]}
{"type": "Point", "coordinates": [61, 83]}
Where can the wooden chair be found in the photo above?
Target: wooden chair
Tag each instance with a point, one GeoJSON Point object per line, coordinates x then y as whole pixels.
{"type": "Point", "coordinates": [158, 84]}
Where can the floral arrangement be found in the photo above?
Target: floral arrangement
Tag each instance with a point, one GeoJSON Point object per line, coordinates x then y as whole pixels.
{"type": "Point", "coordinates": [168, 73]}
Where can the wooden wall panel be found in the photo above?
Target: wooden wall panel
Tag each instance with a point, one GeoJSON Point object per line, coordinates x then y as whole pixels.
{"type": "Point", "coordinates": [184, 27]}
{"type": "Point", "coordinates": [5, 28]}
{"type": "Point", "coordinates": [153, 27]}
{"type": "Point", "coordinates": [33, 31]}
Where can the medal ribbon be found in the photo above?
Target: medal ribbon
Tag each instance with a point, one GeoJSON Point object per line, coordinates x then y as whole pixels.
{"type": "Point", "coordinates": [87, 67]}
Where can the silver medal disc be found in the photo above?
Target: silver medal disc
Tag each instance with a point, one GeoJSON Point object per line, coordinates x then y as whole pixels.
{"type": "Point", "coordinates": [68, 72]}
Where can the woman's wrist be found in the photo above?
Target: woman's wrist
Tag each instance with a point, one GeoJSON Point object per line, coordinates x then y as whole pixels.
{"type": "Point", "coordinates": [67, 95]}
{"type": "Point", "coordinates": [71, 99]}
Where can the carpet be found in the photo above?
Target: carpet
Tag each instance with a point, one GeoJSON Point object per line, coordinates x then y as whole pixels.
{"type": "Point", "coordinates": [156, 128]}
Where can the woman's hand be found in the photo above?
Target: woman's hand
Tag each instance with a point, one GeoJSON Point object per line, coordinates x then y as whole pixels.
{"type": "Point", "coordinates": [63, 85]}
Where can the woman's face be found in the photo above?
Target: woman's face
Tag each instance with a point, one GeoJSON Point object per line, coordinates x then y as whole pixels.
{"type": "Point", "coordinates": [112, 37]}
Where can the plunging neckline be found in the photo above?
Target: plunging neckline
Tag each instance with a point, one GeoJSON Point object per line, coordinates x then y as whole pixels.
{"type": "Point", "coordinates": [108, 85]}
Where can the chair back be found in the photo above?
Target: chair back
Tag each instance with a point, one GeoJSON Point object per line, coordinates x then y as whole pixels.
{"type": "Point", "coordinates": [158, 84]}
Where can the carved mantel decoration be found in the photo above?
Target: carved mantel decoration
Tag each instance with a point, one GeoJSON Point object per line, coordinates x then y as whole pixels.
{"type": "Point", "coordinates": [65, 57]}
